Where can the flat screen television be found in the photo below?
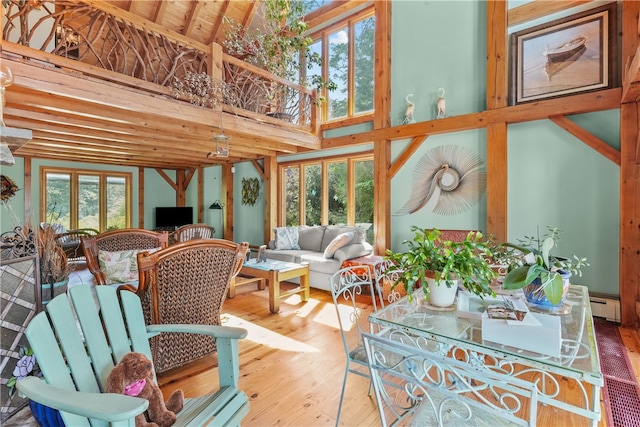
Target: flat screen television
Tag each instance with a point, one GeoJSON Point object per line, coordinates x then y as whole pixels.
{"type": "Point", "coordinates": [173, 217]}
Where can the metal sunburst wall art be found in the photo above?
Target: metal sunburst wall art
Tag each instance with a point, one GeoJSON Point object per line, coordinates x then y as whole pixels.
{"type": "Point", "coordinates": [450, 179]}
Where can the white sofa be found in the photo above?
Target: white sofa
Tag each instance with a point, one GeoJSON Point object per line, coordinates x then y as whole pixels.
{"type": "Point", "coordinates": [324, 247]}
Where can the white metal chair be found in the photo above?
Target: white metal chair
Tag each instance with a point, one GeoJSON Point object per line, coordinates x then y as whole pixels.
{"type": "Point", "coordinates": [417, 387]}
{"type": "Point", "coordinates": [383, 279]}
{"type": "Point", "coordinates": [346, 285]}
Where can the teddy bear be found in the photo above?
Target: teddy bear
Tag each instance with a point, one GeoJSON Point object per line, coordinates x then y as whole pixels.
{"type": "Point", "coordinates": [133, 376]}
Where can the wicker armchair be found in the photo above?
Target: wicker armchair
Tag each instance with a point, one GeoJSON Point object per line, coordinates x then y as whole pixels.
{"type": "Point", "coordinates": [70, 242]}
{"type": "Point", "coordinates": [191, 232]}
{"type": "Point", "coordinates": [119, 240]}
{"type": "Point", "coordinates": [186, 283]}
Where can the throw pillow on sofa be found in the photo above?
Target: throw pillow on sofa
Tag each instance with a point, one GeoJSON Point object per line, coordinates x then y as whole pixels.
{"type": "Point", "coordinates": [338, 242]}
{"type": "Point", "coordinates": [286, 238]}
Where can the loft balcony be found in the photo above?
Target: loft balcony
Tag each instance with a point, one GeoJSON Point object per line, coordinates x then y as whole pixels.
{"type": "Point", "coordinates": [97, 84]}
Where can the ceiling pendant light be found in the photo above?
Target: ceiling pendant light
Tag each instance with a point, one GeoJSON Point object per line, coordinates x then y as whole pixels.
{"type": "Point", "coordinates": [221, 140]}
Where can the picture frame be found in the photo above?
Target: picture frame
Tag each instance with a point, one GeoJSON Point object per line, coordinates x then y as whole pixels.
{"type": "Point", "coordinates": [566, 56]}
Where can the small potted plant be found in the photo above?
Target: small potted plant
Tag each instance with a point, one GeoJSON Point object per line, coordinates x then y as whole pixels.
{"type": "Point", "coordinates": [544, 277]}
{"type": "Point", "coordinates": [444, 264]}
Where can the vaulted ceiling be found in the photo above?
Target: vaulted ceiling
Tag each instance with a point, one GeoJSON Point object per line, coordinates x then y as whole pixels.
{"type": "Point", "coordinates": [200, 20]}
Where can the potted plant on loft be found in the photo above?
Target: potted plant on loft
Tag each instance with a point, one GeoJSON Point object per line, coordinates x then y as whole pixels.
{"type": "Point", "coordinates": [543, 277]}
{"type": "Point", "coordinates": [281, 46]}
{"type": "Point", "coordinates": [444, 264]}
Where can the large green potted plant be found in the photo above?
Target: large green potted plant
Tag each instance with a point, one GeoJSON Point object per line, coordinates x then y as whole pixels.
{"type": "Point", "coordinates": [279, 45]}
{"type": "Point", "coordinates": [444, 263]}
{"type": "Point", "coordinates": [544, 277]}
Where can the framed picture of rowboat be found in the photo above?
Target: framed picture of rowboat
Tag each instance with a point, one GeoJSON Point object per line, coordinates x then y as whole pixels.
{"type": "Point", "coordinates": [574, 54]}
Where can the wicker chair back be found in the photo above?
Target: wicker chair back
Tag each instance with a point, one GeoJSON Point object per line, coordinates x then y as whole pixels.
{"type": "Point", "coordinates": [193, 232]}
{"type": "Point", "coordinates": [186, 283]}
{"type": "Point", "coordinates": [119, 240]}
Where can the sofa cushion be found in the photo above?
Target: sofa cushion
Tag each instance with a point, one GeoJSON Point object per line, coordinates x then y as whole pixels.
{"type": "Point", "coordinates": [341, 240]}
{"type": "Point", "coordinates": [310, 238]}
{"type": "Point", "coordinates": [286, 238]}
{"type": "Point", "coordinates": [286, 256]}
{"type": "Point", "coordinates": [353, 250]}
{"type": "Point", "coordinates": [317, 262]}
{"type": "Point", "coordinates": [332, 231]}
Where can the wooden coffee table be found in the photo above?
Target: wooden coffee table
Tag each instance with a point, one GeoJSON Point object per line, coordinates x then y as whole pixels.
{"type": "Point", "coordinates": [275, 272]}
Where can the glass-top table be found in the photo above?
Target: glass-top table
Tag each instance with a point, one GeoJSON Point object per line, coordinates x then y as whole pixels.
{"type": "Point", "coordinates": [458, 333]}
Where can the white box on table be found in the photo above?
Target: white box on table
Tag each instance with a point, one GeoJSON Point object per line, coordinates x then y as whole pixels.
{"type": "Point", "coordinates": [544, 338]}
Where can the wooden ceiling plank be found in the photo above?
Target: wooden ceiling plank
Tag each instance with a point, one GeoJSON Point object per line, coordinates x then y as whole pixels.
{"type": "Point", "coordinates": [64, 125]}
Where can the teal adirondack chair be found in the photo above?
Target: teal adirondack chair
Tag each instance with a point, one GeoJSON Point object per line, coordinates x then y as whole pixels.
{"type": "Point", "coordinates": [75, 361]}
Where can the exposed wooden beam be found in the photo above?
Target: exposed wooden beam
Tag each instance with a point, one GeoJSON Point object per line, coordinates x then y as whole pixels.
{"type": "Point", "coordinates": [167, 178]}
{"type": "Point", "coordinates": [259, 169]}
{"type": "Point", "coordinates": [161, 10]}
{"type": "Point", "coordinates": [588, 138]}
{"type": "Point", "coordinates": [576, 104]}
{"type": "Point", "coordinates": [200, 195]}
{"type": "Point", "coordinates": [539, 9]}
{"type": "Point", "coordinates": [140, 199]}
{"type": "Point", "coordinates": [402, 159]}
{"type": "Point", "coordinates": [192, 16]}
{"type": "Point", "coordinates": [28, 189]}
{"type": "Point", "coordinates": [218, 23]}
{"type": "Point", "coordinates": [497, 67]}
{"type": "Point", "coordinates": [270, 197]}
{"type": "Point", "coordinates": [497, 195]}
{"type": "Point", "coordinates": [382, 119]}
{"type": "Point", "coordinates": [333, 10]}
{"type": "Point", "coordinates": [249, 14]}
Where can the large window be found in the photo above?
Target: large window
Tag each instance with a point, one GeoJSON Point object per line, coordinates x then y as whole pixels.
{"type": "Point", "coordinates": [85, 199]}
{"type": "Point", "coordinates": [347, 49]}
{"type": "Point", "coordinates": [336, 191]}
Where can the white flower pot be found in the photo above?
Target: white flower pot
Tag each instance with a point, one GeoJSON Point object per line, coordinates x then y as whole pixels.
{"type": "Point", "coordinates": [440, 294]}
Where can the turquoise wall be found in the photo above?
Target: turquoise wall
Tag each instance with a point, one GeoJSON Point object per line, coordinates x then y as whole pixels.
{"type": "Point", "coordinates": [553, 178]}
{"type": "Point", "coordinates": [248, 220]}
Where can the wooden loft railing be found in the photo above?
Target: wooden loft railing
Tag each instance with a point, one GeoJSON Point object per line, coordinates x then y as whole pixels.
{"type": "Point", "coordinates": [102, 41]}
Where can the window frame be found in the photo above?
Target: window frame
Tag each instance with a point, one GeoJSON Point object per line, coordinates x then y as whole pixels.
{"type": "Point", "coordinates": [323, 34]}
{"type": "Point", "coordinates": [351, 160]}
{"type": "Point", "coordinates": [74, 174]}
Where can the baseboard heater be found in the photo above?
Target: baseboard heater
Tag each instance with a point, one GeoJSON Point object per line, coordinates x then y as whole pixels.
{"type": "Point", "coordinates": [604, 305]}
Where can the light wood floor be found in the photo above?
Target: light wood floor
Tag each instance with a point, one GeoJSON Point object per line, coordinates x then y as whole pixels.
{"type": "Point", "coordinates": [292, 366]}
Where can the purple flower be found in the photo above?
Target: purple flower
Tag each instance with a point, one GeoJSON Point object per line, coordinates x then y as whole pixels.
{"type": "Point", "coordinates": [24, 366]}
